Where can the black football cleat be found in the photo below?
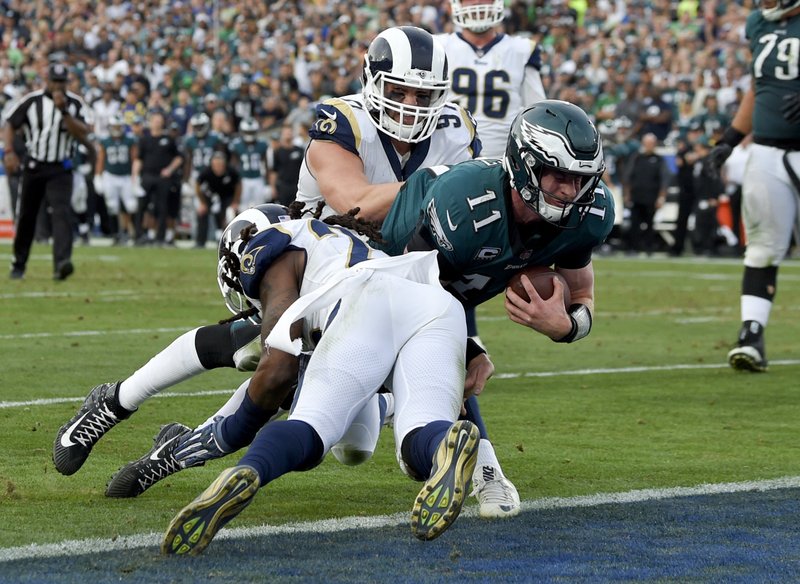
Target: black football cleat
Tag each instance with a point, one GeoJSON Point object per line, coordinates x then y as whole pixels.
{"type": "Point", "coordinates": [99, 413]}
{"type": "Point", "coordinates": [136, 477]}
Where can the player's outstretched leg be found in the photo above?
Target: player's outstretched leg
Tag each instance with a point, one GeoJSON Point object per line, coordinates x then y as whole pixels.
{"type": "Point", "coordinates": [136, 477]}
{"type": "Point", "coordinates": [100, 412]}
{"type": "Point", "coordinates": [443, 494]}
{"type": "Point", "coordinates": [195, 526]}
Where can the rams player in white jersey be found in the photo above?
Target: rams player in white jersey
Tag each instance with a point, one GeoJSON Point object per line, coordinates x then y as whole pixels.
{"type": "Point", "coordinates": [369, 319]}
{"type": "Point", "coordinates": [363, 146]}
{"type": "Point", "coordinates": [493, 75]}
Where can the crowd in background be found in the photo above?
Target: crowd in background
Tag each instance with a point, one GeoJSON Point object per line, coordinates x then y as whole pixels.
{"type": "Point", "coordinates": [671, 68]}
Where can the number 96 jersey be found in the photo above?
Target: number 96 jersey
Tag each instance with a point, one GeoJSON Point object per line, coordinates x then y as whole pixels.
{"type": "Point", "coordinates": [345, 121]}
{"type": "Point", "coordinates": [494, 83]}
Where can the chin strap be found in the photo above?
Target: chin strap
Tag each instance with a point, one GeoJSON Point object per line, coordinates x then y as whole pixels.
{"type": "Point", "coordinates": [581, 318]}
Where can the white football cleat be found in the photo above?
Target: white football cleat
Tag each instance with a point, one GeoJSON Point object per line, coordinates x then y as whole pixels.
{"type": "Point", "coordinates": [497, 495]}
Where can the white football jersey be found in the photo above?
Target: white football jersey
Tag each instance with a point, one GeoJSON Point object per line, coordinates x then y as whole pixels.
{"type": "Point", "coordinates": [334, 255]}
{"type": "Point", "coordinates": [345, 121]}
{"type": "Point", "coordinates": [494, 83]}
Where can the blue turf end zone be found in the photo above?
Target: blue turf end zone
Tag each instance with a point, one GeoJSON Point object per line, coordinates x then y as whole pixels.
{"type": "Point", "coordinates": [739, 537]}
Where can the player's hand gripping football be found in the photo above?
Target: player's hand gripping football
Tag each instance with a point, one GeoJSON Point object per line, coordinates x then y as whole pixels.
{"type": "Point", "coordinates": [548, 317]}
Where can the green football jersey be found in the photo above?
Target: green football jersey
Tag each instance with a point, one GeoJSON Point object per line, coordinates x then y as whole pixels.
{"type": "Point", "coordinates": [117, 155]}
{"type": "Point", "coordinates": [776, 72]}
{"type": "Point", "coordinates": [250, 155]}
{"type": "Point", "coordinates": [464, 211]}
{"type": "Point", "coordinates": [202, 149]}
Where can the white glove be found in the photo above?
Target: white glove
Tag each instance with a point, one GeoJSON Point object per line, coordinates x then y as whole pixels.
{"type": "Point", "coordinates": [186, 190]}
{"type": "Point", "coordinates": [99, 187]}
{"type": "Point", "coordinates": [138, 189]}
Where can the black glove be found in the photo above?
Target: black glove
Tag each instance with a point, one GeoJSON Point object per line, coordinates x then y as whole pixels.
{"type": "Point", "coordinates": [717, 157]}
{"type": "Point", "coordinates": [719, 153]}
{"type": "Point", "coordinates": [791, 107]}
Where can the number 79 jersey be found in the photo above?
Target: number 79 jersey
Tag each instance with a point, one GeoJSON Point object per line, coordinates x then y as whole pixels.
{"type": "Point", "coordinates": [464, 212]}
{"type": "Point", "coordinates": [776, 72]}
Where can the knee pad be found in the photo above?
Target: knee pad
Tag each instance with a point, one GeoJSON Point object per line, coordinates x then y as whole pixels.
{"type": "Point", "coordinates": [347, 455]}
{"type": "Point", "coordinates": [217, 345]}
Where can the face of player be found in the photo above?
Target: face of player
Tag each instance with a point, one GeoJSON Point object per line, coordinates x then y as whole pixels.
{"type": "Point", "coordinates": [407, 96]}
{"type": "Point", "coordinates": [559, 188]}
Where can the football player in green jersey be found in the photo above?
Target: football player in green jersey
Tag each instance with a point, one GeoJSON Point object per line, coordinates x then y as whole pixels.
{"type": "Point", "coordinates": [249, 156]}
{"type": "Point", "coordinates": [770, 110]}
{"type": "Point", "coordinates": [542, 204]}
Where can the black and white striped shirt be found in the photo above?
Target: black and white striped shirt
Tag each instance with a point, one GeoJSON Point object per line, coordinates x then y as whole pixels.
{"type": "Point", "coordinates": [46, 136]}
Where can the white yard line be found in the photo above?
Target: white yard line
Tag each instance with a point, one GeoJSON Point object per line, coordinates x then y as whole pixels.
{"type": "Point", "coordinates": [101, 545]}
{"type": "Point", "coordinates": [528, 374]}
{"type": "Point", "coordinates": [142, 331]}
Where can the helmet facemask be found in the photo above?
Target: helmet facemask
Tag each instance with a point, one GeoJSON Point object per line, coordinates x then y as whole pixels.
{"type": "Point", "coordinates": [406, 122]}
{"type": "Point", "coordinates": [477, 18]}
{"type": "Point", "coordinates": [781, 8]}
{"type": "Point", "coordinates": [552, 207]}
{"type": "Point", "coordinates": [232, 246]}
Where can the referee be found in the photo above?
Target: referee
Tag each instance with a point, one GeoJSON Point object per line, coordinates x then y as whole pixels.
{"type": "Point", "coordinates": [53, 120]}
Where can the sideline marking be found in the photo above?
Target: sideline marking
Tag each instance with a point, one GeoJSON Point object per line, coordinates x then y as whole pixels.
{"type": "Point", "coordinates": [642, 369]}
{"type": "Point", "coordinates": [101, 545]}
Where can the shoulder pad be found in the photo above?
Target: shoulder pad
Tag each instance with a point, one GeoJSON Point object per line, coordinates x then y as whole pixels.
{"type": "Point", "coordinates": [337, 122]}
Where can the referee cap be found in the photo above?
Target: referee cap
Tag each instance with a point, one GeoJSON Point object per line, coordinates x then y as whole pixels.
{"type": "Point", "coordinates": [57, 72]}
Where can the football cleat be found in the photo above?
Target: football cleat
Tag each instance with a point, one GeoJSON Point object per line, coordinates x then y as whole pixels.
{"type": "Point", "coordinates": [195, 525]}
{"type": "Point", "coordinates": [99, 413]}
{"type": "Point", "coordinates": [439, 502]}
{"type": "Point", "coordinates": [497, 496]}
{"type": "Point", "coordinates": [200, 445]}
{"type": "Point", "coordinates": [136, 477]}
{"type": "Point", "coordinates": [749, 353]}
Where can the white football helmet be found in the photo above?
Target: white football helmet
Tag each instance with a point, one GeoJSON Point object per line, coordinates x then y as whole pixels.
{"type": "Point", "coordinates": [777, 8]}
{"type": "Point", "coordinates": [248, 128]}
{"type": "Point", "coordinates": [477, 17]}
{"type": "Point", "coordinates": [232, 245]}
{"type": "Point", "coordinates": [116, 126]}
{"type": "Point", "coordinates": [411, 58]}
{"type": "Point", "coordinates": [200, 124]}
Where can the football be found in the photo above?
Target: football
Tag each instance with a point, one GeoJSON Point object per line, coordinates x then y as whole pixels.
{"type": "Point", "coordinates": [542, 279]}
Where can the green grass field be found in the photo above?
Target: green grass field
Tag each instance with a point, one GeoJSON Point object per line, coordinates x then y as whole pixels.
{"type": "Point", "coordinates": [645, 401]}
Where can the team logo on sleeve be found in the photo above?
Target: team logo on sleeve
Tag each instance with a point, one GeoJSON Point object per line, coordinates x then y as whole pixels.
{"type": "Point", "coordinates": [326, 126]}
{"type": "Point", "coordinates": [248, 266]}
{"type": "Point", "coordinates": [437, 230]}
